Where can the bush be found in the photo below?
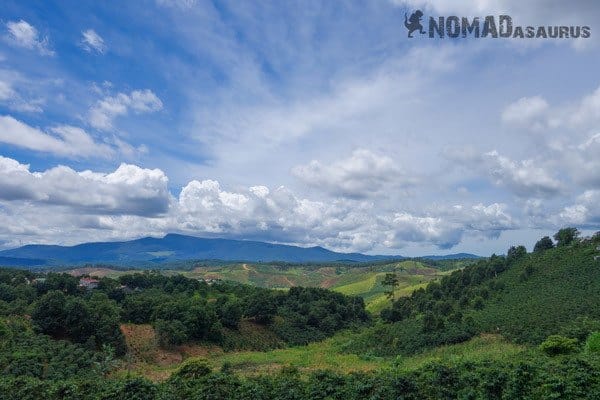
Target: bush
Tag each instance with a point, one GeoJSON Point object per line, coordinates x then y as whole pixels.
{"type": "Point", "coordinates": [170, 333]}
{"type": "Point", "coordinates": [556, 344]}
{"type": "Point", "coordinates": [193, 368]}
{"type": "Point", "coordinates": [592, 345]}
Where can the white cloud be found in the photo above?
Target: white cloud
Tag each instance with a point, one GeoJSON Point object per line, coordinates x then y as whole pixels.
{"type": "Point", "coordinates": [129, 190]}
{"type": "Point", "coordinates": [23, 34]}
{"type": "Point", "coordinates": [65, 140]}
{"type": "Point", "coordinates": [584, 212]}
{"type": "Point", "coordinates": [131, 199]}
{"type": "Point", "coordinates": [6, 91]}
{"type": "Point", "coordinates": [10, 97]}
{"type": "Point", "coordinates": [588, 111]}
{"type": "Point", "coordinates": [91, 41]}
{"type": "Point", "coordinates": [523, 178]}
{"type": "Point", "coordinates": [183, 4]}
{"type": "Point", "coordinates": [102, 114]}
{"type": "Point", "coordinates": [445, 228]}
{"type": "Point", "coordinates": [526, 111]}
{"type": "Point", "coordinates": [361, 175]}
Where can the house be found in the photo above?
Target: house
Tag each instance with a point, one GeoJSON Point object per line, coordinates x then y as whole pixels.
{"type": "Point", "coordinates": [88, 283]}
{"type": "Point", "coordinates": [38, 281]}
{"type": "Point", "coordinates": [209, 281]}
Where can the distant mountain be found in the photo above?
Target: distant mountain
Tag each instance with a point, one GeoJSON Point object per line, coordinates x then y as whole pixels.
{"type": "Point", "coordinates": [457, 256]}
{"type": "Point", "coordinates": [21, 262]}
{"type": "Point", "coordinates": [174, 247]}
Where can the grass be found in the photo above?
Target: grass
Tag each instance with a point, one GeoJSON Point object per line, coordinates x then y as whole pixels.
{"type": "Point", "coordinates": [147, 359]}
{"type": "Point", "coordinates": [485, 347]}
{"type": "Point", "coordinates": [315, 356]}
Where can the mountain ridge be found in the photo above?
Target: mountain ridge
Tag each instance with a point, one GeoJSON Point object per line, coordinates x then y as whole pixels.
{"type": "Point", "coordinates": [178, 247]}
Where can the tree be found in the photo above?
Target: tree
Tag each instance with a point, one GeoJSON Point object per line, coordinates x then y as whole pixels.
{"type": "Point", "coordinates": [48, 314]}
{"type": "Point", "coordinates": [170, 333]}
{"type": "Point", "coordinates": [543, 244]}
{"type": "Point", "coordinates": [566, 236]}
{"type": "Point", "coordinates": [230, 313]}
{"type": "Point", "coordinates": [391, 280]}
{"type": "Point", "coordinates": [262, 307]}
{"type": "Point", "coordinates": [515, 253]}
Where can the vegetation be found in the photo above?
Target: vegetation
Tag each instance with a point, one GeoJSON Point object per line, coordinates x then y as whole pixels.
{"type": "Point", "coordinates": [507, 327]}
{"type": "Point", "coordinates": [524, 297]}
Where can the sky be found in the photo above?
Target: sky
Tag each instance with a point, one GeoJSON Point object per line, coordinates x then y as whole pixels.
{"type": "Point", "coordinates": [298, 122]}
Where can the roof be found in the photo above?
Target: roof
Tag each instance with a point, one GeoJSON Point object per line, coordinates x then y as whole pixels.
{"type": "Point", "coordinates": [88, 280]}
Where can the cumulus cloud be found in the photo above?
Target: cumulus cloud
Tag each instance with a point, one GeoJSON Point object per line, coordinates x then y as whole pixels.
{"type": "Point", "coordinates": [22, 34]}
{"type": "Point", "coordinates": [103, 113]}
{"type": "Point", "coordinates": [361, 175]}
{"type": "Point", "coordinates": [446, 227]}
{"type": "Point", "coordinates": [91, 41]}
{"type": "Point", "coordinates": [584, 212]}
{"type": "Point", "coordinates": [523, 178]}
{"type": "Point", "coordinates": [125, 202]}
{"type": "Point", "coordinates": [129, 190]}
{"type": "Point", "coordinates": [64, 140]}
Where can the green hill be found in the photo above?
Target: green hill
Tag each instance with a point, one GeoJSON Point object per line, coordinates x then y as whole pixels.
{"type": "Point", "coordinates": [543, 294]}
{"type": "Point", "coordinates": [363, 281]}
{"type": "Point", "coordinates": [524, 297]}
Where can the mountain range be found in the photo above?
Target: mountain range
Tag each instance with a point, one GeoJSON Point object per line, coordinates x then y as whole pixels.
{"type": "Point", "coordinates": [175, 247]}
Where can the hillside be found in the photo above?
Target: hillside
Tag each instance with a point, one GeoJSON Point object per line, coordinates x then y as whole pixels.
{"type": "Point", "coordinates": [543, 293]}
{"type": "Point", "coordinates": [524, 297]}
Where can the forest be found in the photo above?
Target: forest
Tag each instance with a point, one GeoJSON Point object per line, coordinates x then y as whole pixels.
{"type": "Point", "coordinates": [61, 339]}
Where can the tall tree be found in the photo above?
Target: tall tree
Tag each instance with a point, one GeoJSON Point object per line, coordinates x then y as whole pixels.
{"type": "Point", "coordinates": [391, 280]}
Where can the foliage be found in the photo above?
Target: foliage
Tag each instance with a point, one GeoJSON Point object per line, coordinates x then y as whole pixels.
{"type": "Point", "coordinates": [526, 297]}
{"type": "Point", "coordinates": [390, 280]}
{"type": "Point", "coordinates": [566, 236]}
{"type": "Point", "coordinates": [543, 244]}
{"type": "Point", "coordinates": [193, 368]}
{"type": "Point", "coordinates": [556, 344]}
{"type": "Point", "coordinates": [592, 345]}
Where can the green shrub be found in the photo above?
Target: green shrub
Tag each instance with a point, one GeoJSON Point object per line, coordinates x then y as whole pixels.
{"type": "Point", "coordinates": [556, 344]}
{"type": "Point", "coordinates": [592, 345]}
{"type": "Point", "coordinates": [193, 368]}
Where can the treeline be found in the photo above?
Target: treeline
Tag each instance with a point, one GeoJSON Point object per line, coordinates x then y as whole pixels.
{"type": "Point", "coordinates": [180, 309]}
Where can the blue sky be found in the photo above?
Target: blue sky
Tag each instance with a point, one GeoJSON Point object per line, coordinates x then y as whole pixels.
{"type": "Point", "coordinates": [311, 123]}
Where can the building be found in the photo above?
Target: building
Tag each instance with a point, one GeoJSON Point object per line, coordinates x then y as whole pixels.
{"type": "Point", "coordinates": [88, 283]}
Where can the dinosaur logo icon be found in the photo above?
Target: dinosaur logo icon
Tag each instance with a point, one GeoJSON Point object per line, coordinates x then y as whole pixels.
{"type": "Point", "coordinates": [414, 23]}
